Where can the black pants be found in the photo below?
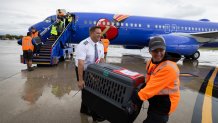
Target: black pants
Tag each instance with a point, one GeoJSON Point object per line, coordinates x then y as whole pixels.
{"type": "Point", "coordinates": [38, 48]}
{"type": "Point", "coordinates": [154, 117]}
{"type": "Point", "coordinates": [84, 108]}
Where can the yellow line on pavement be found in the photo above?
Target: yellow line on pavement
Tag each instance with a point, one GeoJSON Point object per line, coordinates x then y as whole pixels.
{"type": "Point", "coordinates": [207, 104]}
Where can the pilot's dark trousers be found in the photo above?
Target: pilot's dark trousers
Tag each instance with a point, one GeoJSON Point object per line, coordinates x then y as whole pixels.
{"type": "Point", "coordinates": [84, 109]}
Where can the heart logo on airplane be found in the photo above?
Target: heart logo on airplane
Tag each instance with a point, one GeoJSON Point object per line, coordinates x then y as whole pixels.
{"type": "Point", "coordinates": [108, 28]}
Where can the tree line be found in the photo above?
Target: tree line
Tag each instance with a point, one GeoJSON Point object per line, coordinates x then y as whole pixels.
{"type": "Point", "coordinates": [10, 37]}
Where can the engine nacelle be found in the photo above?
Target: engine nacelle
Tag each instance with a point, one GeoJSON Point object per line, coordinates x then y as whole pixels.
{"type": "Point", "coordinates": [133, 47]}
{"type": "Point", "coordinates": [180, 44]}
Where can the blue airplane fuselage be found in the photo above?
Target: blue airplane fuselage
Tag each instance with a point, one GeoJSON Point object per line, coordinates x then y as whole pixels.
{"type": "Point", "coordinates": [134, 32]}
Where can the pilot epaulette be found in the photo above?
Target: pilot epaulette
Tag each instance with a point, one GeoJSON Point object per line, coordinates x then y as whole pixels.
{"type": "Point", "coordinates": [86, 42]}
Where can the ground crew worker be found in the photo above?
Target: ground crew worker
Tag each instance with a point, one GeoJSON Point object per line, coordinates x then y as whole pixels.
{"type": "Point", "coordinates": [88, 51]}
{"type": "Point", "coordinates": [106, 44]}
{"type": "Point", "coordinates": [162, 84]}
{"type": "Point", "coordinates": [37, 37]}
{"type": "Point", "coordinates": [34, 32]}
{"type": "Point", "coordinates": [60, 15]}
{"type": "Point", "coordinates": [69, 18]}
{"type": "Point", "coordinates": [27, 43]}
{"type": "Point", "coordinates": [54, 31]}
{"type": "Point", "coordinates": [60, 26]}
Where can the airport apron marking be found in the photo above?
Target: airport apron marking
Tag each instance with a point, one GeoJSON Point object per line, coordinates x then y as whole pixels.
{"type": "Point", "coordinates": [197, 113]}
{"type": "Point", "coordinates": [207, 105]}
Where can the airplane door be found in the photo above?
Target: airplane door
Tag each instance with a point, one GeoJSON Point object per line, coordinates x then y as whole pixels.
{"type": "Point", "coordinates": [167, 28]}
{"type": "Point", "coordinates": [173, 28]}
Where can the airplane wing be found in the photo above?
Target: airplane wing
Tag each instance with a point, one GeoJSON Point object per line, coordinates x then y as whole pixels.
{"type": "Point", "coordinates": [213, 34]}
{"type": "Point", "coordinates": [202, 37]}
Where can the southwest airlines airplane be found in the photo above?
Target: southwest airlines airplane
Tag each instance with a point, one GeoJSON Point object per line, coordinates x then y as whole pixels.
{"type": "Point", "coordinates": [183, 37]}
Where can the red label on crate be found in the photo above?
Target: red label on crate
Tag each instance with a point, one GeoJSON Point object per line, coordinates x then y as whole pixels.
{"type": "Point", "coordinates": [131, 74]}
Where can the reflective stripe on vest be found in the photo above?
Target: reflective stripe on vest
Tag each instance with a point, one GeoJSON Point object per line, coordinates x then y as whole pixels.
{"type": "Point", "coordinates": [176, 86]}
{"type": "Point", "coordinates": [54, 30]}
{"type": "Point", "coordinates": [27, 43]}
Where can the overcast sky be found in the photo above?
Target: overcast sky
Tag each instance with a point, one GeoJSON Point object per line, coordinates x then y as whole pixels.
{"type": "Point", "coordinates": [18, 15]}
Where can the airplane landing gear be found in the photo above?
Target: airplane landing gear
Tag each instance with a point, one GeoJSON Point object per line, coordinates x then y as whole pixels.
{"type": "Point", "coordinates": [194, 56]}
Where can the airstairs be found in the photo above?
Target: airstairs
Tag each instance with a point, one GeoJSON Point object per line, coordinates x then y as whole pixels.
{"type": "Point", "coordinates": [54, 50]}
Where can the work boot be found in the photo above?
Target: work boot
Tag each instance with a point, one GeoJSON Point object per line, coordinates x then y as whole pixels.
{"type": "Point", "coordinates": [98, 118]}
{"type": "Point", "coordinates": [30, 69]}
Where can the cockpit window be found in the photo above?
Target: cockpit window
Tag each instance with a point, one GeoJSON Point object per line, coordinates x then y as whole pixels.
{"type": "Point", "coordinates": [50, 19]}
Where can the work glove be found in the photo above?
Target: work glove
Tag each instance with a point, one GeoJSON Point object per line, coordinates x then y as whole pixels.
{"type": "Point", "coordinates": [135, 98]}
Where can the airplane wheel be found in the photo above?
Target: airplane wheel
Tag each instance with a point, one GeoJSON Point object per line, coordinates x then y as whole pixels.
{"type": "Point", "coordinates": [187, 57]}
{"type": "Point", "coordinates": [196, 55]}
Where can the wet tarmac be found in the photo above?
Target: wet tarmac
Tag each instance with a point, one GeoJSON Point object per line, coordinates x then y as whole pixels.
{"type": "Point", "coordinates": [49, 94]}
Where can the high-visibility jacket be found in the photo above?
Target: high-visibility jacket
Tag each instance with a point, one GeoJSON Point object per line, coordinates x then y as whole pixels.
{"type": "Point", "coordinates": [60, 26]}
{"type": "Point", "coordinates": [36, 34]}
{"type": "Point", "coordinates": [162, 87]}
{"type": "Point", "coordinates": [54, 30]}
{"type": "Point", "coordinates": [69, 18]}
{"type": "Point", "coordinates": [27, 43]}
{"type": "Point", "coordinates": [106, 43]}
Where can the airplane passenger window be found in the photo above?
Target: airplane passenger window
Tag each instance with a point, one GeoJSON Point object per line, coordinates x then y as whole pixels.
{"type": "Point", "coordinates": [135, 25]}
{"type": "Point", "coordinates": [85, 22]}
{"type": "Point", "coordinates": [112, 23]}
{"type": "Point", "coordinates": [185, 28]}
{"type": "Point", "coordinates": [160, 26]}
{"type": "Point", "coordinates": [131, 24]}
{"type": "Point", "coordinates": [118, 24]}
{"type": "Point", "coordinates": [140, 25]}
{"type": "Point", "coordinates": [95, 22]}
{"type": "Point", "coordinates": [189, 28]}
{"type": "Point", "coordinates": [127, 24]}
{"type": "Point", "coordinates": [156, 26]}
{"type": "Point", "coordinates": [178, 28]}
{"type": "Point", "coordinates": [90, 22]}
{"type": "Point", "coordinates": [192, 28]}
{"type": "Point", "coordinates": [199, 29]}
{"type": "Point", "coordinates": [203, 29]}
{"type": "Point", "coordinates": [163, 26]}
{"type": "Point", "coordinates": [148, 26]}
{"type": "Point", "coordinates": [121, 24]}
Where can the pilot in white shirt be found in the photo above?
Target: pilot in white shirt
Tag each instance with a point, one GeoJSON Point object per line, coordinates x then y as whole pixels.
{"type": "Point", "coordinates": [85, 50]}
{"type": "Point", "coordinates": [88, 51]}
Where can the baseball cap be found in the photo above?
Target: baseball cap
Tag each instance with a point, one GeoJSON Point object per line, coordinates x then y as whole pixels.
{"type": "Point", "coordinates": [156, 43]}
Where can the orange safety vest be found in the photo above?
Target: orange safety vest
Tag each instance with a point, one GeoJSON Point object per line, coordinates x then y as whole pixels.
{"type": "Point", "coordinates": [162, 79]}
{"type": "Point", "coordinates": [106, 43]}
{"type": "Point", "coordinates": [36, 34]}
{"type": "Point", "coordinates": [27, 43]}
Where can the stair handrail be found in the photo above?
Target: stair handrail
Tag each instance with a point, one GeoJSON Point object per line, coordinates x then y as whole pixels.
{"type": "Point", "coordinates": [61, 35]}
